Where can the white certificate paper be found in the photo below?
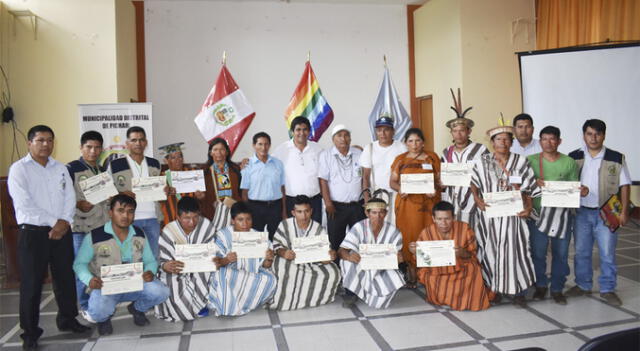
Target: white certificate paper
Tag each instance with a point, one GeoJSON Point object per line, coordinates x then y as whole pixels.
{"type": "Point", "coordinates": [121, 278]}
{"type": "Point", "coordinates": [196, 257]}
{"type": "Point", "coordinates": [311, 249]}
{"type": "Point", "coordinates": [503, 203]}
{"type": "Point", "coordinates": [456, 174]}
{"type": "Point", "coordinates": [419, 183]}
{"type": "Point", "coordinates": [188, 181]}
{"type": "Point", "coordinates": [560, 194]}
{"type": "Point", "coordinates": [435, 253]}
{"type": "Point", "coordinates": [149, 188]}
{"type": "Point", "coordinates": [250, 244]}
{"type": "Point", "coordinates": [378, 256]}
{"type": "Point", "coordinates": [98, 188]}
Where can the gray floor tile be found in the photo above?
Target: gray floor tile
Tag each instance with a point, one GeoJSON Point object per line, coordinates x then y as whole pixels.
{"type": "Point", "coordinates": [559, 342]}
{"type": "Point", "coordinates": [247, 340]}
{"type": "Point", "coordinates": [419, 330]}
{"type": "Point", "coordinates": [334, 336]}
{"type": "Point", "coordinates": [504, 320]}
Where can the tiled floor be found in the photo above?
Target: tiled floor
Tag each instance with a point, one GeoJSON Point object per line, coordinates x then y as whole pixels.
{"type": "Point", "coordinates": [408, 324]}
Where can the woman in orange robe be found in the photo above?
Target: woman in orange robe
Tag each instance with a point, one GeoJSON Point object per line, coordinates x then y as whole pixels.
{"type": "Point", "coordinates": [413, 211]}
{"type": "Point", "coordinates": [460, 286]}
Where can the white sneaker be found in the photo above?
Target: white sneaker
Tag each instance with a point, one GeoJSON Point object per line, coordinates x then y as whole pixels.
{"type": "Point", "coordinates": [84, 314]}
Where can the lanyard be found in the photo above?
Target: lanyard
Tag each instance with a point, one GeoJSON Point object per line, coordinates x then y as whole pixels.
{"type": "Point", "coordinates": [541, 168]}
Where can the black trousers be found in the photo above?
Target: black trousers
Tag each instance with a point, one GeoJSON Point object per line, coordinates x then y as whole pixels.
{"type": "Point", "coordinates": [347, 213]}
{"type": "Point", "coordinates": [267, 213]}
{"type": "Point", "coordinates": [316, 206]}
{"type": "Point", "coordinates": [35, 253]}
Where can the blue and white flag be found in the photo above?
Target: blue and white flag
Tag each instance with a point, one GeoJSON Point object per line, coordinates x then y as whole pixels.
{"type": "Point", "coordinates": [388, 104]}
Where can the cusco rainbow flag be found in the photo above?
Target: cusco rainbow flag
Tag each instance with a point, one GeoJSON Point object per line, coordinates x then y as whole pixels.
{"type": "Point", "coordinates": [307, 101]}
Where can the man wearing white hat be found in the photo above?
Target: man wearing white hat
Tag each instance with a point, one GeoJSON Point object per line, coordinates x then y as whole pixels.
{"type": "Point", "coordinates": [341, 182]}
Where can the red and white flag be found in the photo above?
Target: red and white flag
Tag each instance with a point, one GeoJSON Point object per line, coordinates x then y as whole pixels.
{"type": "Point", "coordinates": [226, 112]}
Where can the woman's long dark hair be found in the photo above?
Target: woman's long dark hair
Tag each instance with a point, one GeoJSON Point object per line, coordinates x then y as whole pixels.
{"type": "Point", "coordinates": [232, 165]}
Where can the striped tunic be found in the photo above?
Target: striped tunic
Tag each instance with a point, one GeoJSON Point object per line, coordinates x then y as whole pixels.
{"type": "Point", "coordinates": [375, 287]}
{"type": "Point", "coordinates": [302, 285]}
{"type": "Point", "coordinates": [461, 197]}
{"type": "Point", "coordinates": [189, 291]}
{"type": "Point", "coordinates": [461, 286]}
{"type": "Point", "coordinates": [503, 242]}
{"type": "Point", "coordinates": [238, 287]}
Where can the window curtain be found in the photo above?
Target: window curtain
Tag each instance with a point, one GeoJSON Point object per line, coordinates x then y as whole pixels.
{"type": "Point", "coordinates": [562, 23]}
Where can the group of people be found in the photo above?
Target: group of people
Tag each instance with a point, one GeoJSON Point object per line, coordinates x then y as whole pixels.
{"type": "Point", "coordinates": [285, 195]}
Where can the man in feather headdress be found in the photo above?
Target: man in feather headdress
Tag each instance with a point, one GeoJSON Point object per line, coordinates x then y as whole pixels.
{"type": "Point", "coordinates": [462, 151]}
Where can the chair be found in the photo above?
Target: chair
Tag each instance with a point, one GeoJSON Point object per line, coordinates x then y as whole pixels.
{"type": "Point", "coordinates": [620, 341]}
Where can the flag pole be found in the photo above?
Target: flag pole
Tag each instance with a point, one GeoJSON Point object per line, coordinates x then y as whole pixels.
{"type": "Point", "coordinates": [309, 56]}
{"type": "Point", "coordinates": [224, 57]}
{"type": "Point", "coordinates": [384, 57]}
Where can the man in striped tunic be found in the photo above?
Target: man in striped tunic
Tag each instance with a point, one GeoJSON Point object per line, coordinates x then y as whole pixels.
{"type": "Point", "coordinates": [375, 287]}
{"type": "Point", "coordinates": [463, 150]}
{"type": "Point", "coordinates": [304, 284]}
{"type": "Point", "coordinates": [189, 291]}
{"type": "Point", "coordinates": [551, 223]}
{"type": "Point", "coordinates": [239, 285]}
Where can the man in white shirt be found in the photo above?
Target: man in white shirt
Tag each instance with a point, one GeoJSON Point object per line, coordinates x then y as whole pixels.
{"type": "Point", "coordinates": [300, 159]}
{"type": "Point", "coordinates": [525, 144]}
{"type": "Point", "coordinates": [341, 183]}
{"type": "Point", "coordinates": [376, 160]}
{"type": "Point", "coordinates": [44, 201]}
{"type": "Point", "coordinates": [604, 172]}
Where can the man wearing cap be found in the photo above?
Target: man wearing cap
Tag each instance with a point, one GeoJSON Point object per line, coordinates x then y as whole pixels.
{"type": "Point", "coordinates": [503, 242]}
{"type": "Point", "coordinates": [300, 159]}
{"type": "Point", "coordinates": [525, 144]}
{"type": "Point", "coordinates": [341, 183]}
{"type": "Point", "coordinates": [174, 158]}
{"type": "Point", "coordinates": [376, 160]}
{"type": "Point", "coordinates": [463, 150]}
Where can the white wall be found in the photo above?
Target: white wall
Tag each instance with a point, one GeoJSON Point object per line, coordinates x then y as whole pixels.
{"type": "Point", "coordinates": [267, 44]}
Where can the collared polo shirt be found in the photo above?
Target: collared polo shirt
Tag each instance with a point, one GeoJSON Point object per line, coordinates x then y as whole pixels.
{"type": "Point", "coordinates": [343, 174]}
{"type": "Point", "coordinates": [531, 149]}
{"type": "Point", "coordinates": [264, 180]}
{"type": "Point", "coordinates": [300, 168]}
{"type": "Point", "coordinates": [85, 254]}
{"type": "Point", "coordinates": [589, 177]}
{"type": "Point", "coordinates": [41, 195]}
{"type": "Point", "coordinates": [380, 158]}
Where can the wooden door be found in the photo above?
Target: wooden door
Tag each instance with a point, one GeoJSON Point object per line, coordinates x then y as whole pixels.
{"type": "Point", "coordinates": [425, 119]}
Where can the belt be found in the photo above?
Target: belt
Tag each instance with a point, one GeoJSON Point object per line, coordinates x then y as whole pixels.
{"type": "Point", "coordinates": [270, 202]}
{"type": "Point", "coordinates": [590, 208]}
{"type": "Point", "coordinates": [311, 197]}
{"type": "Point", "coordinates": [34, 227]}
{"type": "Point", "coordinates": [352, 203]}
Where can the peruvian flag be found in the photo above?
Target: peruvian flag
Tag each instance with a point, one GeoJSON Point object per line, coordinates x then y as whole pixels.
{"type": "Point", "coordinates": [226, 112]}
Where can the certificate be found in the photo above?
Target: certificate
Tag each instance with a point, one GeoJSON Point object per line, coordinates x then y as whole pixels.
{"type": "Point", "coordinates": [418, 183]}
{"type": "Point", "coordinates": [250, 244]}
{"type": "Point", "coordinates": [456, 174]}
{"type": "Point", "coordinates": [98, 188]}
{"type": "Point", "coordinates": [503, 203]}
{"type": "Point", "coordinates": [378, 256]}
{"type": "Point", "coordinates": [149, 188]}
{"type": "Point", "coordinates": [121, 278]}
{"type": "Point", "coordinates": [311, 249]}
{"type": "Point", "coordinates": [435, 253]}
{"type": "Point", "coordinates": [188, 181]}
{"type": "Point", "coordinates": [561, 194]}
{"type": "Point", "coordinates": [196, 257]}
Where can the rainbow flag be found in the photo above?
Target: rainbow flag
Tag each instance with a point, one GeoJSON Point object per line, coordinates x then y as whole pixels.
{"type": "Point", "coordinates": [307, 101]}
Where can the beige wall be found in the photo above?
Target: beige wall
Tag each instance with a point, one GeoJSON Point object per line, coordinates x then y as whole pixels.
{"type": "Point", "coordinates": [72, 61]}
{"type": "Point", "coordinates": [126, 51]}
{"type": "Point", "coordinates": [469, 44]}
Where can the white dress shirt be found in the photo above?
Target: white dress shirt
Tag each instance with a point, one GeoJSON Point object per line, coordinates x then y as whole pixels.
{"type": "Point", "coordinates": [531, 149]}
{"type": "Point", "coordinates": [144, 210]}
{"type": "Point", "coordinates": [300, 168]}
{"type": "Point", "coordinates": [380, 160]}
{"type": "Point", "coordinates": [41, 195]}
{"type": "Point", "coordinates": [342, 173]}
{"type": "Point", "coordinates": [590, 177]}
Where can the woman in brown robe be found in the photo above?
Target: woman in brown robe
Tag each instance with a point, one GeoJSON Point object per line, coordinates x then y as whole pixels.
{"type": "Point", "coordinates": [460, 286]}
{"type": "Point", "coordinates": [413, 211]}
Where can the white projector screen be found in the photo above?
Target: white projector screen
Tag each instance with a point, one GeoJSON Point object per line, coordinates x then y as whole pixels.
{"type": "Point", "coordinates": [564, 88]}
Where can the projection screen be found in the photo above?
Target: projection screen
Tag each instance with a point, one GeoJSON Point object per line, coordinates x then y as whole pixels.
{"type": "Point", "coordinates": [565, 87]}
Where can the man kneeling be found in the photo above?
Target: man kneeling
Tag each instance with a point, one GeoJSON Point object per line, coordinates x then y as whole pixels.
{"type": "Point", "coordinates": [459, 286]}
{"type": "Point", "coordinates": [375, 287]}
{"type": "Point", "coordinates": [118, 242]}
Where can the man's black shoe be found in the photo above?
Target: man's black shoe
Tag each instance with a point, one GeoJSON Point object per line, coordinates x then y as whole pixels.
{"type": "Point", "coordinates": [541, 292]}
{"type": "Point", "coordinates": [139, 318]}
{"type": "Point", "coordinates": [29, 345]}
{"type": "Point", "coordinates": [73, 326]}
{"type": "Point", "coordinates": [105, 328]}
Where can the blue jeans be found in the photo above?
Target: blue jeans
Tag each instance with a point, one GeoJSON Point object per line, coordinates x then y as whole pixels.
{"type": "Point", "coordinates": [589, 227]}
{"type": "Point", "coordinates": [102, 307]}
{"type": "Point", "coordinates": [81, 289]}
{"type": "Point", "coordinates": [151, 229]}
{"type": "Point", "coordinates": [559, 258]}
